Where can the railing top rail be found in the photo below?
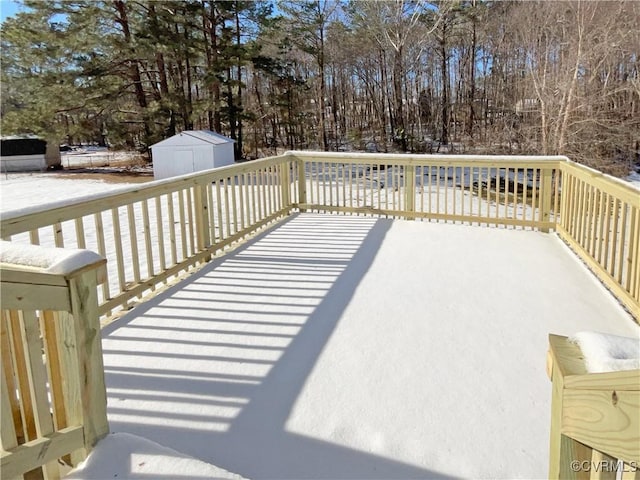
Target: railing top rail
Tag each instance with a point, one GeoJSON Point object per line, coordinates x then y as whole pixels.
{"type": "Point", "coordinates": [87, 205]}
{"type": "Point", "coordinates": [435, 158]}
{"type": "Point", "coordinates": [622, 188]}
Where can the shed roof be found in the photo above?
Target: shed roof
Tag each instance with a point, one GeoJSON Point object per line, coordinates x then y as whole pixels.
{"type": "Point", "coordinates": [206, 136]}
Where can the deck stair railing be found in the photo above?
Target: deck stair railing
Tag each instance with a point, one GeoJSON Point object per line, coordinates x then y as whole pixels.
{"type": "Point", "coordinates": [53, 393]}
{"type": "Point", "coordinates": [595, 418]}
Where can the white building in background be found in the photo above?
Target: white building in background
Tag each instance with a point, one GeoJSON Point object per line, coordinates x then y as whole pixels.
{"type": "Point", "coordinates": [191, 151]}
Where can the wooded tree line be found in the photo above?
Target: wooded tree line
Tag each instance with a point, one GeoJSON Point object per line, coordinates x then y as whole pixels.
{"type": "Point", "coordinates": [419, 76]}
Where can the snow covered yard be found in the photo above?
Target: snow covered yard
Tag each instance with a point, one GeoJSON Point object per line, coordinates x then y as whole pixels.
{"type": "Point", "coordinates": [354, 347]}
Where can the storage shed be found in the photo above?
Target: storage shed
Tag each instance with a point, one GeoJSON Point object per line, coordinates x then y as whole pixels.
{"type": "Point", "coordinates": [191, 151]}
{"type": "Point", "coordinates": [25, 154]}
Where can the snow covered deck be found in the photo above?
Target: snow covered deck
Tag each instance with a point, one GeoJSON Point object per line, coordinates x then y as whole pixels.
{"type": "Point", "coordinates": [357, 347]}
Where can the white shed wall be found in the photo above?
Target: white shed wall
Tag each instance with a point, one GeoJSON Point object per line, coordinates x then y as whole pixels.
{"type": "Point", "coordinates": [180, 159]}
{"type": "Point", "coordinates": [223, 155]}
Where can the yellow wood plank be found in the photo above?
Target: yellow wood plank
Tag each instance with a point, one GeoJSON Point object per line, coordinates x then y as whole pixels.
{"type": "Point", "coordinates": [190, 222]}
{"type": "Point", "coordinates": [92, 406]}
{"type": "Point", "coordinates": [9, 372]}
{"type": "Point", "coordinates": [48, 326]}
{"type": "Point", "coordinates": [608, 421]}
{"type": "Point", "coordinates": [80, 236]}
{"type": "Point", "coordinates": [32, 454]}
{"type": "Point", "coordinates": [19, 362]}
{"type": "Point", "coordinates": [133, 242]}
{"type": "Point", "coordinates": [182, 223]}
{"type": "Point", "coordinates": [172, 229]}
{"type": "Point", "coordinates": [117, 239]}
{"type": "Point", "coordinates": [630, 472]}
{"type": "Point", "coordinates": [36, 372]}
{"type": "Point", "coordinates": [57, 234]}
{"type": "Point", "coordinates": [8, 436]}
{"type": "Point", "coordinates": [22, 296]}
{"type": "Point", "coordinates": [148, 249]}
{"type": "Point", "coordinates": [567, 356]}
{"type": "Point", "coordinates": [603, 467]}
{"type": "Point", "coordinates": [99, 230]}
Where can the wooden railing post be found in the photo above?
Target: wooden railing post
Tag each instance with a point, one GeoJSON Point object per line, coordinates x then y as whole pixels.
{"type": "Point", "coordinates": [302, 184]}
{"type": "Point", "coordinates": [86, 397]}
{"type": "Point", "coordinates": [202, 217]}
{"type": "Point", "coordinates": [594, 417]}
{"type": "Point", "coordinates": [285, 184]}
{"type": "Point", "coordinates": [546, 194]}
{"type": "Point", "coordinates": [410, 191]}
{"type": "Point", "coordinates": [563, 450]}
{"type": "Point", "coordinates": [53, 388]}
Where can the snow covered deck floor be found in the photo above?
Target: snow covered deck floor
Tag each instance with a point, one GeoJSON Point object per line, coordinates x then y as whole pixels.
{"type": "Point", "coordinates": [353, 347]}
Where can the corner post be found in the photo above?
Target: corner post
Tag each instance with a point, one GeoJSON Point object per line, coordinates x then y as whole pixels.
{"type": "Point", "coordinates": [566, 455]}
{"type": "Point", "coordinates": [86, 398]}
{"type": "Point", "coordinates": [410, 191]}
{"type": "Point", "coordinates": [302, 184]}
{"type": "Point", "coordinates": [546, 192]}
{"type": "Point", "coordinates": [202, 217]}
{"type": "Point", "coordinates": [285, 184]}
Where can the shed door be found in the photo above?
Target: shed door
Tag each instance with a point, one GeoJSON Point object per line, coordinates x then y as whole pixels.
{"type": "Point", "coordinates": [183, 162]}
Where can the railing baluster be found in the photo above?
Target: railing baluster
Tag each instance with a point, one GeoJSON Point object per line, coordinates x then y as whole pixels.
{"type": "Point", "coordinates": [632, 257]}
{"type": "Point", "coordinates": [622, 242]}
{"type": "Point", "coordinates": [80, 236]}
{"type": "Point", "coordinates": [264, 208]}
{"type": "Point", "coordinates": [57, 235]}
{"type": "Point", "coordinates": [225, 205]}
{"type": "Point", "coordinates": [234, 206]}
{"type": "Point", "coordinates": [241, 190]}
{"type": "Point", "coordinates": [115, 217]}
{"type": "Point", "coordinates": [133, 240]}
{"type": "Point", "coordinates": [160, 240]}
{"type": "Point", "coordinates": [252, 195]}
{"type": "Point", "coordinates": [221, 232]}
{"type": "Point", "coordinates": [12, 400]}
{"type": "Point", "coordinates": [34, 237]}
{"type": "Point", "coordinates": [183, 223]}
{"type": "Point", "coordinates": [147, 240]}
{"type": "Point", "coordinates": [190, 221]}
{"type": "Point", "coordinates": [173, 241]}
{"type": "Point", "coordinates": [37, 379]}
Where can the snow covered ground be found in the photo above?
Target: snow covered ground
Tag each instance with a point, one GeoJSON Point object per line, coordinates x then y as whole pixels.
{"type": "Point", "coordinates": [30, 189]}
{"type": "Point", "coordinates": [634, 179]}
{"type": "Point", "coordinates": [352, 347]}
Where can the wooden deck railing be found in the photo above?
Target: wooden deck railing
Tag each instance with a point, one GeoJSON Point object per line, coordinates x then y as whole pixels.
{"type": "Point", "coordinates": [154, 232]}
{"type": "Point", "coordinates": [151, 234]}
{"type": "Point", "coordinates": [53, 398]}
{"type": "Point", "coordinates": [595, 418]}
{"type": "Point", "coordinates": [476, 190]}
{"type": "Point", "coordinates": [600, 220]}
